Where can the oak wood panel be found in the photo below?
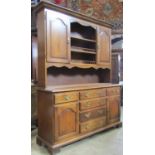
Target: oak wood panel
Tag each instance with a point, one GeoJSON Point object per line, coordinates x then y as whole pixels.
{"type": "Point", "coordinates": [42, 72]}
{"type": "Point", "coordinates": [82, 87]}
{"type": "Point", "coordinates": [58, 37]}
{"type": "Point", "coordinates": [113, 91]}
{"type": "Point", "coordinates": [72, 65]}
{"type": "Point", "coordinates": [34, 58]}
{"type": "Point", "coordinates": [45, 114]}
{"type": "Point", "coordinates": [87, 104]}
{"type": "Point", "coordinates": [86, 116]}
{"type": "Point", "coordinates": [64, 76]}
{"type": "Point", "coordinates": [92, 94]}
{"type": "Point", "coordinates": [66, 97]}
{"type": "Point", "coordinates": [66, 120]}
{"type": "Point", "coordinates": [113, 103]}
{"type": "Point", "coordinates": [92, 125]}
{"type": "Point", "coordinates": [104, 46]}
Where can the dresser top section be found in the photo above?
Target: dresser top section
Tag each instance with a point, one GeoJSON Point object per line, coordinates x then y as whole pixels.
{"type": "Point", "coordinates": [48, 5]}
{"type": "Point", "coordinates": [76, 87]}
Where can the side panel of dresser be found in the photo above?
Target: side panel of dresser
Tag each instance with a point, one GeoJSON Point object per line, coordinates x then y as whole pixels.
{"type": "Point", "coordinates": [45, 116]}
{"type": "Point", "coordinates": [113, 104]}
{"type": "Point", "coordinates": [41, 34]}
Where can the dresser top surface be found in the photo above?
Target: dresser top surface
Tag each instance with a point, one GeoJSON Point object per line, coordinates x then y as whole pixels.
{"type": "Point", "coordinates": [75, 87]}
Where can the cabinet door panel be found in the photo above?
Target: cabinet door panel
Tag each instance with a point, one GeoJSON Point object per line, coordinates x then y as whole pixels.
{"type": "Point", "coordinates": [104, 45]}
{"type": "Point", "coordinates": [66, 120]}
{"type": "Point", "coordinates": [58, 31]}
{"type": "Point", "coordinates": [113, 109]}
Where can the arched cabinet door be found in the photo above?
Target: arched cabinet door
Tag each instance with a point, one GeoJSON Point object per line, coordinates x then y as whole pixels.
{"type": "Point", "coordinates": [104, 46]}
{"type": "Point", "coordinates": [57, 37]}
{"type": "Point", "coordinates": [66, 120]}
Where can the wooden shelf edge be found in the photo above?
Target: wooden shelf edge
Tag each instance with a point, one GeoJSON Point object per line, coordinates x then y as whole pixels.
{"type": "Point", "coordinates": [78, 65]}
{"type": "Point", "coordinates": [82, 51]}
{"type": "Point", "coordinates": [82, 39]}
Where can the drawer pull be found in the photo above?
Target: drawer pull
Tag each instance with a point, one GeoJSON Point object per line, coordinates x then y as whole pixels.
{"type": "Point", "coordinates": [88, 104]}
{"type": "Point", "coordinates": [86, 94]}
{"type": "Point", "coordinates": [86, 127]}
{"type": "Point", "coordinates": [87, 115]}
{"type": "Point", "coordinates": [67, 97]}
{"type": "Point", "coordinates": [100, 112]}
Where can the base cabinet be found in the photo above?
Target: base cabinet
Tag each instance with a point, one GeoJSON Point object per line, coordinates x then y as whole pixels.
{"type": "Point", "coordinates": [66, 120]}
{"type": "Point", "coordinates": [67, 114]}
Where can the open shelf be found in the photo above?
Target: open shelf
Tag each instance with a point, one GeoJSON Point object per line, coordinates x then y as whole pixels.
{"type": "Point", "coordinates": [77, 36]}
{"type": "Point", "coordinates": [87, 32]}
{"type": "Point", "coordinates": [83, 61]}
{"type": "Point", "coordinates": [83, 43]}
{"type": "Point", "coordinates": [82, 50]}
{"type": "Point", "coordinates": [82, 57]}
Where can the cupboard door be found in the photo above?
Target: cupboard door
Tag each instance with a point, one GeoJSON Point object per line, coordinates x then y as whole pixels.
{"type": "Point", "coordinates": [66, 120]}
{"type": "Point", "coordinates": [113, 109]}
{"type": "Point", "coordinates": [58, 37]}
{"type": "Point", "coordinates": [104, 46]}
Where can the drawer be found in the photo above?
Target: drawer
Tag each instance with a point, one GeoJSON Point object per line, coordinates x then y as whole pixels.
{"type": "Point", "coordinates": [92, 125]}
{"type": "Point", "coordinates": [86, 116]}
{"type": "Point", "coordinates": [113, 91]}
{"type": "Point", "coordinates": [66, 97]}
{"type": "Point", "coordinates": [92, 103]}
{"type": "Point", "coordinates": [92, 93]}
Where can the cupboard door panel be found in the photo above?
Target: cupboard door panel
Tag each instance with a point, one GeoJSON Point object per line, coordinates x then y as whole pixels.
{"type": "Point", "coordinates": [104, 45]}
{"type": "Point", "coordinates": [58, 34]}
{"type": "Point", "coordinates": [66, 120]}
{"type": "Point", "coordinates": [113, 109]}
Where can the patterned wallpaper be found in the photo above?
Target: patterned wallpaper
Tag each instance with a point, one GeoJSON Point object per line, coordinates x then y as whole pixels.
{"type": "Point", "coordinates": [108, 10]}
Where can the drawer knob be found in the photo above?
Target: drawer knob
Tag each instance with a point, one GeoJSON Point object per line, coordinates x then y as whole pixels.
{"type": "Point", "coordinates": [86, 94]}
{"type": "Point", "coordinates": [100, 112]}
{"type": "Point", "coordinates": [66, 97]}
{"type": "Point", "coordinates": [88, 104]}
{"type": "Point", "coordinates": [86, 127]}
{"type": "Point", "coordinates": [87, 115]}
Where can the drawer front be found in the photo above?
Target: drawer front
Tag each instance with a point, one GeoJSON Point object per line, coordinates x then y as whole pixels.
{"type": "Point", "coordinates": [92, 103]}
{"type": "Point", "coordinates": [66, 97]}
{"type": "Point", "coordinates": [113, 91]}
{"type": "Point", "coordinates": [86, 116]}
{"type": "Point", "coordinates": [92, 125]}
{"type": "Point", "coordinates": [92, 93]}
